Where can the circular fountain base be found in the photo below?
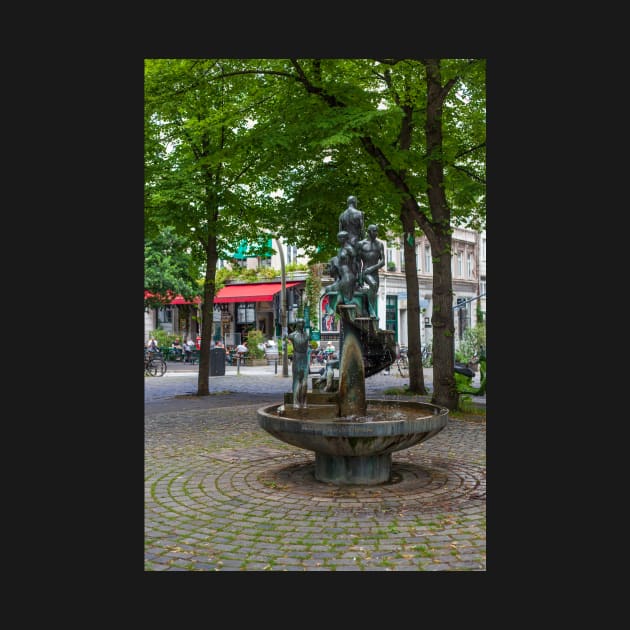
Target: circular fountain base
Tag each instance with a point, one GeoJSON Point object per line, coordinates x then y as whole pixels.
{"type": "Point", "coordinates": [360, 470]}
{"type": "Point", "coordinates": [357, 450]}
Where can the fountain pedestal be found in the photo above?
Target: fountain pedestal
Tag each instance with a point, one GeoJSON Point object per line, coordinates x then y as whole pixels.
{"type": "Point", "coordinates": [353, 438]}
{"type": "Point", "coordinates": [358, 470]}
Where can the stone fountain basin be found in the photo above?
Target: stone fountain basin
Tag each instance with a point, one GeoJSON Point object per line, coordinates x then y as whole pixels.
{"type": "Point", "coordinates": [388, 426]}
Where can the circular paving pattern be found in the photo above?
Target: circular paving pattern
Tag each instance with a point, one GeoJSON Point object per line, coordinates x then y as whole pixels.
{"type": "Point", "coordinates": [226, 496]}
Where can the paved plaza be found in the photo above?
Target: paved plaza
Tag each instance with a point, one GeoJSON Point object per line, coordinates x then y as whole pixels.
{"type": "Point", "coordinates": [221, 494]}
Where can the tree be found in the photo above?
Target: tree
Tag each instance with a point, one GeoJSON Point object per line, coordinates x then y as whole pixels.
{"type": "Point", "coordinates": [200, 159]}
{"type": "Point", "coordinates": [168, 269]}
{"type": "Point", "coordinates": [406, 136]}
{"type": "Point", "coordinates": [422, 124]}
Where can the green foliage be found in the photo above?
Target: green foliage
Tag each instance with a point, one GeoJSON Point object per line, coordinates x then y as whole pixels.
{"type": "Point", "coordinates": [472, 340]}
{"type": "Point", "coordinates": [163, 337]}
{"type": "Point", "coordinates": [289, 347]}
{"type": "Point", "coordinates": [224, 275]}
{"type": "Point", "coordinates": [168, 269]}
{"type": "Point", "coordinates": [254, 338]}
{"type": "Point", "coordinates": [463, 382]}
{"type": "Point", "coordinates": [313, 289]}
{"type": "Point", "coordinates": [480, 315]}
{"type": "Point", "coordinates": [291, 267]}
{"type": "Point", "coordinates": [223, 136]}
{"type": "Point", "coordinates": [464, 402]}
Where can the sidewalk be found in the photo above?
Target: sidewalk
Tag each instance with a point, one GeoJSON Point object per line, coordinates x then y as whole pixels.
{"type": "Point", "coordinates": [380, 380]}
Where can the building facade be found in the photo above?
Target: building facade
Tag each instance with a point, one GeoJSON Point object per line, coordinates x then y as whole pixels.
{"type": "Point", "coordinates": [240, 307]}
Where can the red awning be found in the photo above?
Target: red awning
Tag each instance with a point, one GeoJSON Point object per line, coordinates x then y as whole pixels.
{"type": "Point", "coordinates": [250, 292]}
{"type": "Point", "coordinates": [178, 299]}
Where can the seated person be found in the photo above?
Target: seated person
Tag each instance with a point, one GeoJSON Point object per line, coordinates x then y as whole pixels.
{"type": "Point", "coordinates": [178, 349]}
{"type": "Point", "coordinates": [189, 346]}
{"type": "Point", "coordinates": [330, 351]}
{"type": "Point", "coordinates": [241, 350]}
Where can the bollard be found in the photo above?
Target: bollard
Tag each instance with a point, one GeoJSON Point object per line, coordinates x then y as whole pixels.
{"type": "Point", "coordinates": [275, 367]}
{"type": "Point", "coordinates": [238, 365]}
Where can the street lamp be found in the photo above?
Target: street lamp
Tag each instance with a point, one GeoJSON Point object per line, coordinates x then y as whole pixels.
{"type": "Point", "coordinates": [283, 312]}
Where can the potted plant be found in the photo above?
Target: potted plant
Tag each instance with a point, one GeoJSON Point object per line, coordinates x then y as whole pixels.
{"type": "Point", "coordinates": [391, 266]}
{"type": "Point", "coordinates": [256, 353]}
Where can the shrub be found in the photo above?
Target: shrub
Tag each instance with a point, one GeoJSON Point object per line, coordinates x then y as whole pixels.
{"type": "Point", "coordinates": [254, 338]}
{"type": "Point", "coordinates": [472, 340]}
{"type": "Point", "coordinates": [163, 338]}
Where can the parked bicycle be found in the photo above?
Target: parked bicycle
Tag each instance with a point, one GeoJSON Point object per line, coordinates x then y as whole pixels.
{"type": "Point", "coordinates": [154, 364]}
{"type": "Point", "coordinates": [402, 362]}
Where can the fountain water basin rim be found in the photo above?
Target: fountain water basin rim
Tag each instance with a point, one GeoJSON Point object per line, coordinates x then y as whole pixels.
{"type": "Point", "coordinates": [362, 436]}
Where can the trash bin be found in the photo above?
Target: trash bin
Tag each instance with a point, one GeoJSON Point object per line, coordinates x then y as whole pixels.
{"type": "Point", "coordinates": [217, 361]}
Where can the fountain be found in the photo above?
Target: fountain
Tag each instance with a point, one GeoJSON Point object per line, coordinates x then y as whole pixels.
{"type": "Point", "coordinates": [353, 437]}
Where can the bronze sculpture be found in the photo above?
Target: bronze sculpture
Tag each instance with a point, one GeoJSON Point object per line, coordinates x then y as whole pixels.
{"type": "Point", "coordinates": [372, 256]}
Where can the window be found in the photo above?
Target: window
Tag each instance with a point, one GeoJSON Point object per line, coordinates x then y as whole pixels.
{"type": "Point", "coordinates": [460, 271]}
{"type": "Point", "coordinates": [482, 285]}
{"type": "Point", "coordinates": [462, 317]}
{"type": "Point", "coordinates": [427, 258]}
{"type": "Point", "coordinates": [245, 312]}
{"type": "Point", "coordinates": [291, 254]}
{"type": "Point", "coordinates": [418, 258]}
{"type": "Point", "coordinates": [469, 265]}
{"type": "Point", "coordinates": [483, 249]}
{"type": "Point", "coordinates": [390, 255]}
{"type": "Point", "coordinates": [165, 315]}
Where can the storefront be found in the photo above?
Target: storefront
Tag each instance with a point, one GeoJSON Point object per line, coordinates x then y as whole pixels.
{"type": "Point", "coordinates": [255, 306]}
{"type": "Point", "coordinates": [178, 317]}
{"type": "Point", "coordinates": [238, 308]}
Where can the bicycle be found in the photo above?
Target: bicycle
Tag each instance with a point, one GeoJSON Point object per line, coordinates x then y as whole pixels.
{"type": "Point", "coordinates": [154, 364]}
{"type": "Point", "coordinates": [402, 362]}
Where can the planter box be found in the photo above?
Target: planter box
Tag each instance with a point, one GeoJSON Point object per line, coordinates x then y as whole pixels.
{"type": "Point", "coordinates": [255, 362]}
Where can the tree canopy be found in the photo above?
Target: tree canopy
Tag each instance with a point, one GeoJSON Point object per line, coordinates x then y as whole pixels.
{"type": "Point", "coordinates": [236, 148]}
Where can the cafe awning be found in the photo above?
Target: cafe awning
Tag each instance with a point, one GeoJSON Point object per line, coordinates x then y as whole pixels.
{"type": "Point", "coordinates": [178, 299]}
{"type": "Point", "coordinates": [262, 292]}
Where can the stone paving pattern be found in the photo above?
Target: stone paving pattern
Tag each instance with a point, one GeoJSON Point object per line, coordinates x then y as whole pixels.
{"type": "Point", "coordinates": [221, 494]}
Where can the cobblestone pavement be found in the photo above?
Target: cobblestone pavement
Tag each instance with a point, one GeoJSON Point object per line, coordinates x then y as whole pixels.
{"type": "Point", "coordinates": [222, 494]}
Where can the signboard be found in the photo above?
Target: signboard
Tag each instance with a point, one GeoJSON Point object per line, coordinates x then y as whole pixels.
{"type": "Point", "coordinates": [327, 319]}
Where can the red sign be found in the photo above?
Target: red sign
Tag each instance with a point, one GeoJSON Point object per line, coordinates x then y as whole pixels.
{"type": "Point", "coordinates": [328, 319]}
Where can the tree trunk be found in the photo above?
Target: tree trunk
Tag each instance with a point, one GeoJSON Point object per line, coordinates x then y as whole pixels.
{"type": "Point", "coordinates": [207, 314]}
{"type": "Point", "coordinates": [416, 373]}
{"type": "Point", "coordinates": [444, 387]}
